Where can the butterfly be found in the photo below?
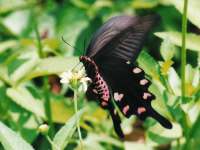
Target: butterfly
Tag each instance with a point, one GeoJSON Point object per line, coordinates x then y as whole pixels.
{"type": "Point", "coordinates": [116, 79]}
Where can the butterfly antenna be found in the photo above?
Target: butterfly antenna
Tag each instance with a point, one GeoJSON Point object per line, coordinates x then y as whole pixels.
{"type": "Point", "coordinates": [72, 47]}
{"type": "Point", "coordinates": [68, 43]}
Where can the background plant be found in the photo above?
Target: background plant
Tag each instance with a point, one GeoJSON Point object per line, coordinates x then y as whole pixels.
{"type": "Point", "coordinates": [32, 55]}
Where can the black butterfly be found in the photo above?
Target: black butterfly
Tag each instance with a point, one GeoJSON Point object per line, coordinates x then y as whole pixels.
{"type": "Point", "coordinates": [109, 62]}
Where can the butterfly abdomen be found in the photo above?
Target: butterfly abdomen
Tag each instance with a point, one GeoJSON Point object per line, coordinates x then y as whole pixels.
{"type": "Point", "coordinates": [100, 87]}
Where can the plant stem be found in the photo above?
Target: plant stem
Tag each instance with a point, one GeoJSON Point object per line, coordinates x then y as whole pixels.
{"type": "Point", "coordinates": [51, 142]}
{"type": "Point", "coordinates": [77, 119]}
{"type": "Point", "coordinates": [45, 82]}
{"type": "Point", "coordinates": [183, 52]}
{"type": "Point", "coordinates": [40, 51]}
{"type": "Point", "coordinates": [48, 107]}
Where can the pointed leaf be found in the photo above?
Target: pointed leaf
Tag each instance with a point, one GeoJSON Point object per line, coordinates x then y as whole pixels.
{"type": "Point", "coordinates": [192, 40]}
{"type": "Point", "coordinates": [167, 50]}
{"type": "Point", "coordinates": [65, 133]}
{"type": "Point", "coordinates": [22, 97]}
{"type": "Point", "coordinates": [53, 65]}
{"type": "Point", "coordinates": [193, 10]}
{"type": "Point", "coordinates": [148, 64]}
{"type": "Point", "coordinates": [174, 81]}
{"type": "Point", "coordinates": [11, 140]}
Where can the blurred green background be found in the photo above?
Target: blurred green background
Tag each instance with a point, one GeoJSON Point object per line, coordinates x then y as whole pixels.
{"type": "Point", "coordinates": [33, 55]}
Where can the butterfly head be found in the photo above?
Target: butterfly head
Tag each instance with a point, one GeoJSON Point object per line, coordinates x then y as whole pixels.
{"type": "Point", "coordinates": [84, 59]}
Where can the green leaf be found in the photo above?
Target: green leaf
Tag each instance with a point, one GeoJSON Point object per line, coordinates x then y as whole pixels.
{"type": "Point", "coordinates": [136, 146]}
{"type": "Point", "coordinates": [196, 79]}
{"type": "Point", "coordinates": [193, 135]}
{"type": "Point", "coordinates": [96, 141]}
{"type": "Point", "coordinates": [173, 133]}
{"type": "Point", "coordinates": [150, 66]}
{"type": "Point", "coordinates": [192, 40]}
{"type": "Point", "coordinates": [71, 22]}
{"type": "Point", "coordinates": [159, 103]}
{"type": "Point", "coordinates": [174, 81]}
{"type": "Point", "coordinates": [144, 4]}
{"type": "Point", "coordinates": [195, 130]}
{"type": "Point", "coordinates": [167, 50]}
{"type": "Point", "coordinates": [193, 10]}
{"type": "Point", "coordinates": [7, 44]}
{"type": "Point", "coordinates": [53, 65]}
{"type": "Point", "coordinates": [12, 66]}
{"type": "Point", "coordinates": [61, 111]}
{"type": "Point", "coordinates": [5, 55]}
{"type": "Point", "coordinates": [94, 138]}
{"type": "Point", "coordinates": [23, 70]}
{"type": "Point", "coordinates": [11, 140]}
{"type": "Point", "coordinates": [192, 109]}
{"type": "Point", "coordinates": [4, 75]}
{"type": "Point", "coordinates": [22, 97]}
{"type": "Point", "coordinates": [65, 133]}
{"type": "Point", "coordinates": [161, 135]}
{"type": "Point", "coordinates": [15, 18]}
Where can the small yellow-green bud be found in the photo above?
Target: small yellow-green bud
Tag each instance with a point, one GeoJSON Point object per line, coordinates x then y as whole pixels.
{"type": "Point", "coordinates": [44, 128]}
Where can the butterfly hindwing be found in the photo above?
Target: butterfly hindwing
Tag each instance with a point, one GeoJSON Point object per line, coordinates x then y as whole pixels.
{"type": "Point", "coordinates": [93, 94]}
{"type": "Point", "coordinates": [130, 91]}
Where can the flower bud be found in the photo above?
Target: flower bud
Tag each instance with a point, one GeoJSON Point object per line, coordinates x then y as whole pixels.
{"type": "Point", "coordinates": [44, 128]}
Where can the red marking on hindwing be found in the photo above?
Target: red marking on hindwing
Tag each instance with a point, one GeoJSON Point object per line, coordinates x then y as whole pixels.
{"type": "Point", "coordinates": [104, 103]}
{"type": "Point", "coordinates": [118, 97]}
{"type": "Point", "coordinates": [125, 109]}
{"type": "Point", "coordinates": [146, 95]}
{"type": "Point", "coordinates": [99, 83]}
{"type": "Point", "coordinates": [141, 110]}
{"type": "Point", "coordinates": [137, 70]}
{"type": "Point", "coordinates": [143, 81]}
{"type": "Point", "coordinates": [95, 91]}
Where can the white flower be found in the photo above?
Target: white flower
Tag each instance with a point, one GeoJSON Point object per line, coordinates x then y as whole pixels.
{"type": "Point", "coordinates": [75, 79]}
{"type": "Point", "coordinates": [66, 77]}
{"type": "Point", "coordinates": [84, 84]}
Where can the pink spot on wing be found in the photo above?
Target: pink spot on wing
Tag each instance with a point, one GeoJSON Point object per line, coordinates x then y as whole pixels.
{"type": "Point", "coordinates": [118, 97]}
{"type": "Point", "coordinates": [125, 109]}
{"type": "Point", "coordinates": [146, 95]}
{"type": "Point", "coordinates": [115, 111]}
{"type": "Point", "coordinates": [141, 110]}
{"type": "Point", "coordinates": [137, 70]}
{"type": "Point", "coordinates": [95, 91]}
{"type": "Point", "coordinates": [143, 81]}
{"type": "Point", "coordinates": [104, 104]}
{"type": "Point", "coordinates": [105, 97]}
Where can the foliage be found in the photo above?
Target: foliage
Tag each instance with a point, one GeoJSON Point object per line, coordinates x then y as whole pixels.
{"type": "Point", "coordinates": [32, 56]}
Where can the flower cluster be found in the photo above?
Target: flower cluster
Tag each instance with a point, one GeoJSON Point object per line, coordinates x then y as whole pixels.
{"type": "Point", "coordinates": [75, 79]}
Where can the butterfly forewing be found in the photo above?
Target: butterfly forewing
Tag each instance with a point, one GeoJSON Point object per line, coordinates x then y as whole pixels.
{"type": "Point", "coordinates": [121, 36]}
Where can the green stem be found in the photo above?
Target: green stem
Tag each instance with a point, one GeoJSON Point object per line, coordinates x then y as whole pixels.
{"type": "Point", "coordinates": [183, 52]}
{"type": "Point", "coordinates": [45, 81]}
{"type": "Point", "coordinates": [48, 107]}
{"type": "Point", "coordinates": [39, 43]}
{"type": "Point", "coordinates": [55, 147]}
{"type": "Point", "coordinates": [77, 119]}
